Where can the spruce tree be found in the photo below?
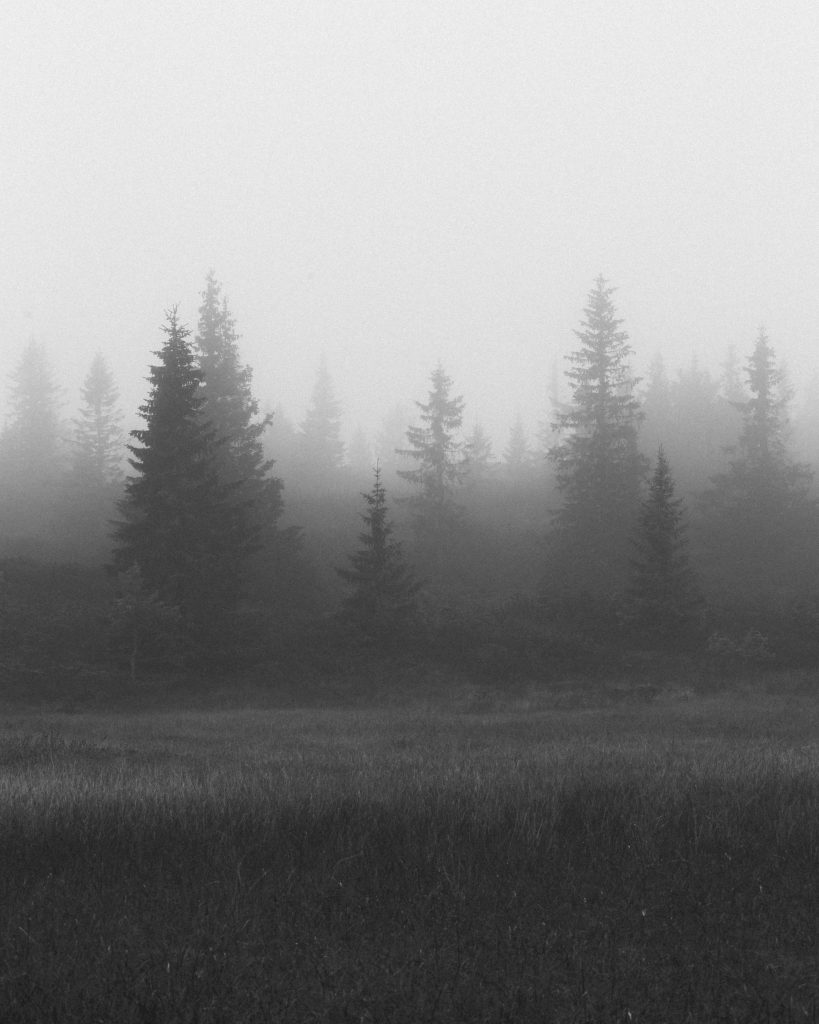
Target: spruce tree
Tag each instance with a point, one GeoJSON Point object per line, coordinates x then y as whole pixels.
{"type": "Point", "coordinates": [663, 593]}
{"type": "Point", "coordinates": [31, 456]}
{"type": "Point", "coordinates": [30, 444]}
{"type": "Point", "coordinates": [95, 481]}
{"type": "Point", "coordinates": [478, 459]}
{"type": "Point", "coordinates": [383, 589]}
{"type": "Point", "coordinates": [321, 447]}
{"type": "Point", "coordinates": [759, 520]}
{"type": "Point", "coordinates": [98, 439]}
{"type": "Point", "coordinates": [180, 525]}
{"type": "Point", "coordinates": [517, 457]}
{"type": "Point", "coordinates": [599, 467]}
{"type": "Point", "coordinates": [228, 405]}
{"type": "Point", "coordinates": [440, 462]}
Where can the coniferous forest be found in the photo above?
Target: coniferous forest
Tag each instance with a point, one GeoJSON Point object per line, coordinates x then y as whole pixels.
{"type": "Point", "coordinates": [657, 522]}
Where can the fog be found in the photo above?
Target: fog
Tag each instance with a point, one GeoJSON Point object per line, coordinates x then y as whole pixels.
{"type": "Point", "coordinates": [390, 184]}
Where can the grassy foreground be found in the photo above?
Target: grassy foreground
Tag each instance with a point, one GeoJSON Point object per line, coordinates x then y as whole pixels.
{"type": "Point", "coordinates": [655, 863]}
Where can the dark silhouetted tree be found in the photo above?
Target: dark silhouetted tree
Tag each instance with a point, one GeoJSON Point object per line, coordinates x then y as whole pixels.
{"type": "Point", "coordinates": [143, 630]}
{"type": "Point", "coordinates": [663, 595]}
{"type": "Point", "coordinates": [383, 589]}
{"type": "Point", "coordinates": [181, 525]}
{"type": "Point", "coordinates": [599, 467]}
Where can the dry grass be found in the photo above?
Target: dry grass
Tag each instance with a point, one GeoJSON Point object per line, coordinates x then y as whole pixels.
{"type": "Point", "coordinates": [648, 863]}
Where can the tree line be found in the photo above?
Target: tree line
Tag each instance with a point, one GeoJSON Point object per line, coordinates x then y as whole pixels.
{"type": "Point", "coordinates": [665, 515]}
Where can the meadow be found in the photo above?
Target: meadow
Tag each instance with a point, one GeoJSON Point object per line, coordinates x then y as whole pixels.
{"type": "Point", "coordinates": [465, 859]}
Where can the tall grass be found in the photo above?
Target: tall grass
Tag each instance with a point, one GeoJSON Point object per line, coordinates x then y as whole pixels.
{"type": "Point", "coordinates": [643, 864]}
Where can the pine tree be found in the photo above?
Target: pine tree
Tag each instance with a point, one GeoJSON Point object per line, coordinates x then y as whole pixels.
{"type": "Point", "coordinates": [440, 464]}
{"type": "Point", "coordinates": [758, 519]}
{"type": "Point", "coordinates": [663, 593]}
{"type": "Point", "coordinates": [383, 588]}
{"type": "Point", "coordinates": [180, 525]}
{"type": "Point", "coordinates": [98, 439]}
{"type": "Point", "coordinates": [228, 405]}
{"type": "Point", "coordinates": [599, 467]}
{"type": "Point", "coordinates": [322, 450]}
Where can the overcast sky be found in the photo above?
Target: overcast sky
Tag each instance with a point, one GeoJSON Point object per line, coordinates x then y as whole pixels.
{"type": "Point", "coordinates": [394, 183]}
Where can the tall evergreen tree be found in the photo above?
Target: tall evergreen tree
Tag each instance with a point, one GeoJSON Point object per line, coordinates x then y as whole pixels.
{"type": "Point", "coordinates": [322, 450]}
{"type": "Point", "coordinates": [383, 590]}
{"type": "Point", "coordinates": [180, 525]}
{"type": "Point", "coordinates": [599, 467]}
{"type": "Point", "coordinates": [228, 405]}
{"type": "Point", "coordinates": [759, 521]}
{"type": "Point", "coordinates": [440, 464]}
{"type": "Point", "coordinates": [663, 593]}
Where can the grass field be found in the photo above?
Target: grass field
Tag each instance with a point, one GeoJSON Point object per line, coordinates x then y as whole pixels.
{"type": "Point", "coordinates": [652, 862]}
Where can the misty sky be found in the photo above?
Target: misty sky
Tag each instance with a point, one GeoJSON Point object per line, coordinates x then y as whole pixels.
{"type": "Point", "coordinates": [393, 183]}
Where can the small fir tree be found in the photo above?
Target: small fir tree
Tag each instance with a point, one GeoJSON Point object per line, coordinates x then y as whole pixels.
{"type": "Point", "coordinates": [31, 456]}
{"type": "Point", "coordinates": [517, 456]}
{"type": "Point", "coordinates": [30, 443]}
{"type": "Point", "coordinates": [322, 450]}
{"type": "Point", "coordinates": [599, 467]}
{"type": "Point", "coordinates": [94, 484]}
{"type": "Point", "coordinates": [663, 593]}
{"type": "Point", "coordinates": [440, 463]}
{"type": "Point", "coordinates": [180, 524]}
{"type": "Point", "coordinates": [758, 518]}
{"type": "Point", "coordinates": [142, 628]}
{"type": "Point", "coordinates": [383, 589]}
{"type": "Point", "coordinates": [98, 439]}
